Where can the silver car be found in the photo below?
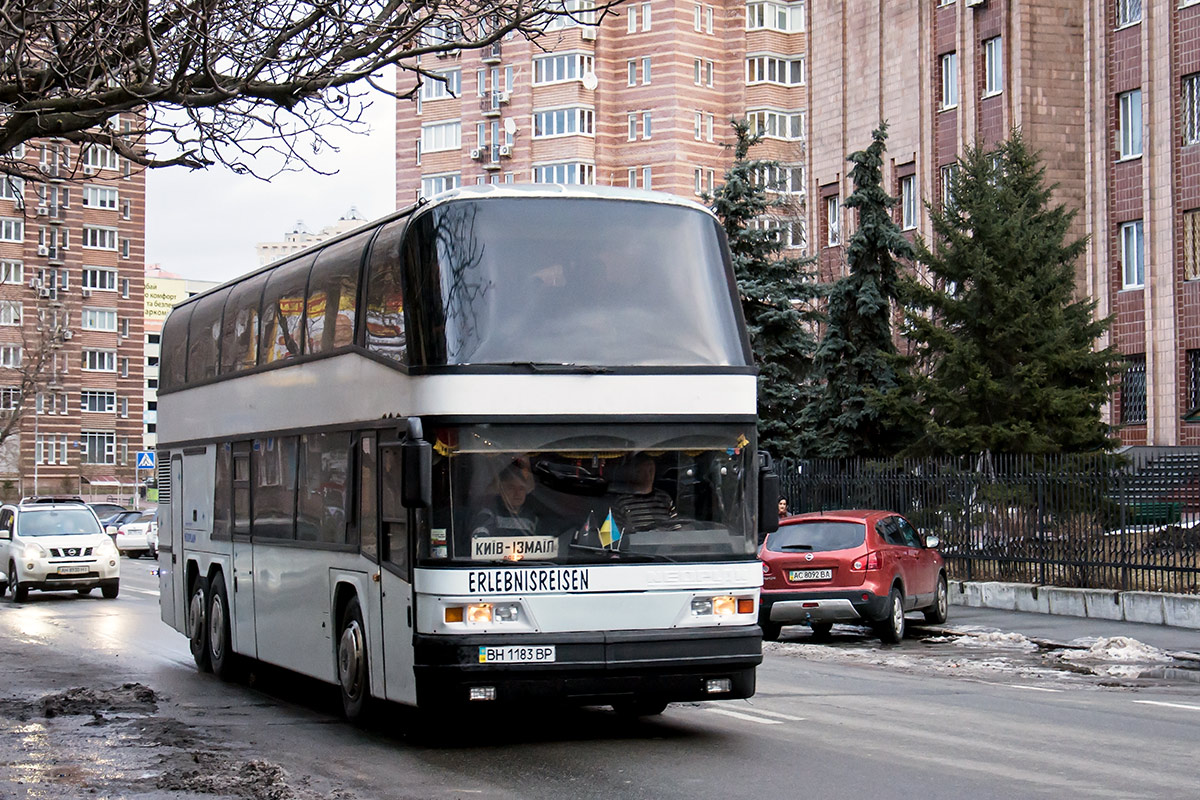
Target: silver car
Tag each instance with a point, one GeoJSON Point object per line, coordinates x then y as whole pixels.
{"type": "Point", "coordinates": [56, 547]}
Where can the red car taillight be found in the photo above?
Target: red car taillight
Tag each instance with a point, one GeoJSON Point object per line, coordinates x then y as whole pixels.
{"type": "Point", "coordinates": [866, 563]}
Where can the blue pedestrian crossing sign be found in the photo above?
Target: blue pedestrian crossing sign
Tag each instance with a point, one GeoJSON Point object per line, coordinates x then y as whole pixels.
{"type": "Point", "coordinates": [145, 459]}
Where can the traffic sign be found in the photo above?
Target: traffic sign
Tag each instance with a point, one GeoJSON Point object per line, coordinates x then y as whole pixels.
{"type": "Point", "coordinates": [145, 459]}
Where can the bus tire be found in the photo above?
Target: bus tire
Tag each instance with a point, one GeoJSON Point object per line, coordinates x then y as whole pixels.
{"type": "Point", "coordinates": [197, 623]}
{"type": "Point", "coordinates": [220, 653]}
{"type": "Point", "coordinates": [354, 677]}
{"type": "Point", "coordinates": [639, 708]}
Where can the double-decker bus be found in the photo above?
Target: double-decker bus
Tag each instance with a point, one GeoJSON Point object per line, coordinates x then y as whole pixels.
{"type": "Point", "coordinates": [496, 447]}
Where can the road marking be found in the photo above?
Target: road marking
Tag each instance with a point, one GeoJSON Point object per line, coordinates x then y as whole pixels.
{"type": "Point", "coordinates": [757, 710]}
{"type": "Point", "coordinates": [146, 592]}
{"type": "Point", "coordinates": [1033, 688]}
{"type": "Point", "coordinates": [1168, 705]}
{"type": "Point", "coordinates": [740, 715]}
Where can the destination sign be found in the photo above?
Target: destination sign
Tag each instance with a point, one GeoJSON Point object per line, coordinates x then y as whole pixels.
{"type": "Point", "coordinates": [513, 548]}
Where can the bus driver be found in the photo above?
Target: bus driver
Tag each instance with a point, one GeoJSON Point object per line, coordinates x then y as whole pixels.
{"type": "Point", "coordinates": [509, 514]}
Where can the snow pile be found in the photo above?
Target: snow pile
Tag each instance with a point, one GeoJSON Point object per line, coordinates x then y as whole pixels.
{"type": "Point", "coordinates": [997, 639]}
{"type": "Point", "coordinates": [1121, 648]}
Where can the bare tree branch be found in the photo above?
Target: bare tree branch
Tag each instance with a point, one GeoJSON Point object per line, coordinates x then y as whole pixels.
{"type": "Point", "coordinates": [204, 76]}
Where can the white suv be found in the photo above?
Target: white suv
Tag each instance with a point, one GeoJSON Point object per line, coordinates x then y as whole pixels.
{"type": "Point", "coordinates": [56, 547]}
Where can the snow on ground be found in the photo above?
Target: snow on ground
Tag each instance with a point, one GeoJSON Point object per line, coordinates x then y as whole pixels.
{"type": "Point", "coordinates": [1119, 648]}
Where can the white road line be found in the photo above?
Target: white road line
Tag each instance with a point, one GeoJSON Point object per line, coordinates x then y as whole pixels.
{"type": "Point", "coordinates": [1168, 705]}
{"type": "Point", "coordinates": [146, 592]}
{"type": "Point", "coordinates": [1033, 688]}
{"type": "Point", "coordinates": [757, 710]}
{"type": "Point", "coordinates": [740, 715]}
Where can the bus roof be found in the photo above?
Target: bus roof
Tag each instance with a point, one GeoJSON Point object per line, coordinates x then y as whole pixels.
{"type": "Point", "coordinates": [510, 190]}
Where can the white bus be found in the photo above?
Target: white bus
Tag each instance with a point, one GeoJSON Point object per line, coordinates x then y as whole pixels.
{"type": "Point", "coordinates": [497, 447]}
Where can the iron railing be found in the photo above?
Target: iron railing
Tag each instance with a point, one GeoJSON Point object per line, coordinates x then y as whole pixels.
{"type": "Point", "coordinates": [1087, 521]}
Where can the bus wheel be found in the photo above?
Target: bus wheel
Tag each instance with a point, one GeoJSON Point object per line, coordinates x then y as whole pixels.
{"type": "Point", "coordinates": [220, 656]}
{"type": "Point", "coordinates": [639, 708]}
{"type": "Point", "coordinates": [353, 676]}
{"type": "Point", "coordinates": [197, 626]}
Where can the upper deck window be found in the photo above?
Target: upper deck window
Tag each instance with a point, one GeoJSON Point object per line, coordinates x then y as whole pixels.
{"type": "Point", "coordinates": [569, 281]}
{"type": "Point", "coordinates": [333, 295]}
{"type": "Point", "coordinates": [385, 296]}
{"type": "Point", "coordinates": [173, 357]}
{"type": "Point", "coordinates": [283, 311]}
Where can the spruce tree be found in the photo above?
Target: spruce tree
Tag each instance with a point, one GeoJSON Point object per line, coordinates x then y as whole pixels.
{"type": "Point", "coordinates": [776, 292]}
{"type": "Point", "coordinates": [856, 362]}
{"type": "Point", "coordinates": [1008, 353]}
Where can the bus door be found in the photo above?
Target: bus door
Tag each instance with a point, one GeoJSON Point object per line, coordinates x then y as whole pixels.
{"type": "Point", "coordinates": [395, 561]}
{"type": "Point", "coordinates": [172, 593]}
{"type": "Point", "coordinates": [243, 553]}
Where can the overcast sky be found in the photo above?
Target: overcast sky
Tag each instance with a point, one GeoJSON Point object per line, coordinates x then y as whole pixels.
{"type": "Point", "coordinates": [204, 224]}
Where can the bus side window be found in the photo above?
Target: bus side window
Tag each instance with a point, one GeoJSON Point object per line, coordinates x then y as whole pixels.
{"type": "Point", "coordinates": [222, 493]}
{"type": "Point", "coordinates": [173, 359]}
{"type": "Point", "coordinates": [204, 336]}
{"type": "Point", "coordinates": [333, 295]}
{"type": "Point", "coordinates": [239, 332]}
{"type": "Point", "coordinates": [395, 519]}
{"type": "Point", "coordinates": [321, 500]}
{"type": "Point", "coordinates": [283, 311]}
{"type": "Point", "coordinates": [368, 498]}
{"type": "Point", "coordinates": [241, 488]}
{"type": "Point", "coordinates": [274, 467]}
{"type": "Point", "coordinates": [384, 319]}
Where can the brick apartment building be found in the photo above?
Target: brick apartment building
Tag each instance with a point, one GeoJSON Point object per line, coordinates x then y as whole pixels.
{"type": "Point", "coordinates": [71, 283]}
{"type": "Point", "coordinates": [641, 99]}
{"type": "Point", "coordinates": [1108, 92]}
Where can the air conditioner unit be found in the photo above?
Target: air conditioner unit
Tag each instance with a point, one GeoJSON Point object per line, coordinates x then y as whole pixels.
{"type": "Point", "coordinates": [42, 211]}
{"type": "Point", "coordinates": [588, 32]}
{"type": "Point", "coordinates": [87, 292]}
{"type": "Point", "coordinates": [66, 335]}
{"type": "Point", "coordinates": [476, 153]}
{"type": "Point", "coordinates": [505, 151]}
{"type": "Point", "coordinates": [502, 97]}
{"type": "Point", "coordinates": [44, 292]}
{"type": "Point", "coordinates": [43, 250]}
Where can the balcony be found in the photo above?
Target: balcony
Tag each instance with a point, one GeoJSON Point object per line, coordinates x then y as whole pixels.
{"type": "Point", "coordinates": [490, 54]}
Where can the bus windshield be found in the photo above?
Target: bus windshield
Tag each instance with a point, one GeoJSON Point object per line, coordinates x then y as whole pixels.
{"type": "Point", "coordinates": [542, 281]}
{"type": "Point", "coordinates": [566, 494]}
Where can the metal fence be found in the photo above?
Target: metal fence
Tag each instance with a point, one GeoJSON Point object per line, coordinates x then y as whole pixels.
{"type": "Point", "coordinates": [1091, 521]}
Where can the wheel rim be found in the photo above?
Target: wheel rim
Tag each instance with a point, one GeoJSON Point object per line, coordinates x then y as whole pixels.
{"type": "Point", "coordinates": [350, 659]}
{"type": "Point", "coordinates": [897, 615]}
{"type": "Point", "coordinates": [216, 628]}
{"type": "Point", "coordinates": [942, 599]}
{"type": "Point", "coordinates": [196, 616]}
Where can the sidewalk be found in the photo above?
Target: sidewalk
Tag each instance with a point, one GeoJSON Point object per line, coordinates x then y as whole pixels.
{"type": "Point", "coordinates": [1167, 621]}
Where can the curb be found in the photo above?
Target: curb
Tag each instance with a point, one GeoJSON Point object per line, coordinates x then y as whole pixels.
{"type": "Point", "coordinates": [1153, 608]}
{"type": "Point", "coordinates": [1046, 644]}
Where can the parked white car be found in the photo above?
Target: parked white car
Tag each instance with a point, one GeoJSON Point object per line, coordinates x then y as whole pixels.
{"type": "Point", "coordinates": [56, 547]}
{"type": "Point", "coordinates": [134, 538]}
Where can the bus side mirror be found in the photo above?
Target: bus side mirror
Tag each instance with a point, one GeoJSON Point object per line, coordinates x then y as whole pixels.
{"type": "Point", "coordinates": [768, 495]}
{"type": "Point", "coordinates": [417, 468]}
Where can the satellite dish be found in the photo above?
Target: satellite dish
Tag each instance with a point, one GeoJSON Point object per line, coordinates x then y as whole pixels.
{"type": "Point", "coordinates": [510, 126]}
{"type": "Point", "coordinates": [589, 81]}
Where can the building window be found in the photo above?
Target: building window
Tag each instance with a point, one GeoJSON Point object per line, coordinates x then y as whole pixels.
{"type": "Point", "coordinates": [1128, 12]}
{"type": "Point", "coordinates": [10, 356]}
{"type": "Point", "coordinates": [947, 173]}
{"type": "Point", "coordinates": [563, 122]}
{"type": "Point", "coordinates": [646, 130]}
{"type": "Point", "coordinates": [631, 19]}
{"type": "Point", "coordinates": [1133, 390]}
{"type": "Point", "coordinates": [1193, 386]}
{"type": "Point", "coordinates": [775, 69]}
{"type": "Point", "coordinates": [12, 230]}
{"type": "Point", "coordinates": [99, 360]}
{"type": "Point", "coordinates": [99, 447]}
{"type": "Point", "coordinates": [97, 402]}
{"type": "Point", "coordinates": [100, 197]}
{"type": "Point", "coordinates": [12, 188]}
{"type": "Point", "coordinates": [645, 16]}
{"type": "Point", "coordinates": [560, 68]}
{"type": "Point", "coordinates": [12, 271]}
{"type": "Point", "coordinates": [10, 312]}
{"type": "Point", "coordinates": [97, 157]}
{"type": "Point", "coordinates": [1133, 265]}
{"type": "Point", "coordinates": [950, 80]}
{"type": "Point", "coordinates": [787, 125]}
{"type": "Point", "coordinates": [645, 70]}
{"type": "Point", "coordinates": [1190, 104]}
{"type": "Point", "coordinates": [833, 221]}
{"type": "Point", "coordinates": [99, 238]}
{"type": "Point", "coordinates": [573, 172]}
{"type": "Point", "coordinates": [436, 136]}
{"type": "Point", "coordinates": [99, 319]}
{"type": "Point", "coordinates": [774, 16]}
{"type": "Point", "coordinates": [441, 86]}
{"type": "Point", "coordinates": [908, 202]}
{"type": "Point", "coordinates": [631, 69]}
{"type": "Point", "coordinates": [432, 184]}
{"type": "Point", "coordinates": [98, 278]}
{"type": "Point", "coordinates": [993, 67]}
{"type": "Point", "coordinates": [1129, 122]}
{"type": "Point", "coordinates": [704, 180]}
{"type": "Point", "coordinates": [1191, 245]}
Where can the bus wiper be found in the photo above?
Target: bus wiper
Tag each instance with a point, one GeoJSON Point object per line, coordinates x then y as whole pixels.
{"type": "Point", "coordinates": [561, 367]}
{"type": "Point", "coordinates": [622, 555]}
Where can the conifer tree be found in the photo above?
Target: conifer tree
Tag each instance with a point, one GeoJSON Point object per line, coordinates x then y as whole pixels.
{"type": "Point", "coordinates": [856, 362]}
{"type": "Point", "coordinates": [776, 292]}
{"type": "Point", "coordinates": [1007, 352]}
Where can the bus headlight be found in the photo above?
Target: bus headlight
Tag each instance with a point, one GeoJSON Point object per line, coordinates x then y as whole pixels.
{"type": "Point", "coordinates": [723, 605]}
{"type": "Point", "coordinates": [483, 613]}
{"type": "Point", "coordinates": [506, 612]}
{"type": "Point", "coordinates": [479, 612]}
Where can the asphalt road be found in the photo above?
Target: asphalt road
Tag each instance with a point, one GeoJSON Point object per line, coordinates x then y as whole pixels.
{"type": "Point", "coordinates": [938, 716]}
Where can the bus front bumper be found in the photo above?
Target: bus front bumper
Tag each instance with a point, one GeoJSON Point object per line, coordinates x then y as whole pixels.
{"type": "Point", "coordinates": [594, 668]}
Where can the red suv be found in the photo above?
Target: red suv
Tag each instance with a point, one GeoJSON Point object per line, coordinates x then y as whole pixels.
{"type": "Point", "coordinates": [850, 566]}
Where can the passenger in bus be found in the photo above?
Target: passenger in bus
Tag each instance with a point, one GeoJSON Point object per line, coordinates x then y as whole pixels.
{"type": "Point", "coordinates": [643, 507]}
{"type": "Point", "coordinates": [509, 513]}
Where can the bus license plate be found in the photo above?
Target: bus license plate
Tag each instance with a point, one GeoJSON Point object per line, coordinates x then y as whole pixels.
{"type": "Point", "coordinates": [810, 575]}
{"type": "Point", "coordinates": [72, 570]}
{"type": "Point", "coordinates": [517, 654]}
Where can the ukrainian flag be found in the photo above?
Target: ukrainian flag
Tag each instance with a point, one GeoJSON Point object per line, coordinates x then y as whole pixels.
{"type": "Point", "coordinates": [610, 534]}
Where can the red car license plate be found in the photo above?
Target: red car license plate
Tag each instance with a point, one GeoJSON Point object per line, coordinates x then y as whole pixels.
{"type": "Point", "coordinates": [810, 575]}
